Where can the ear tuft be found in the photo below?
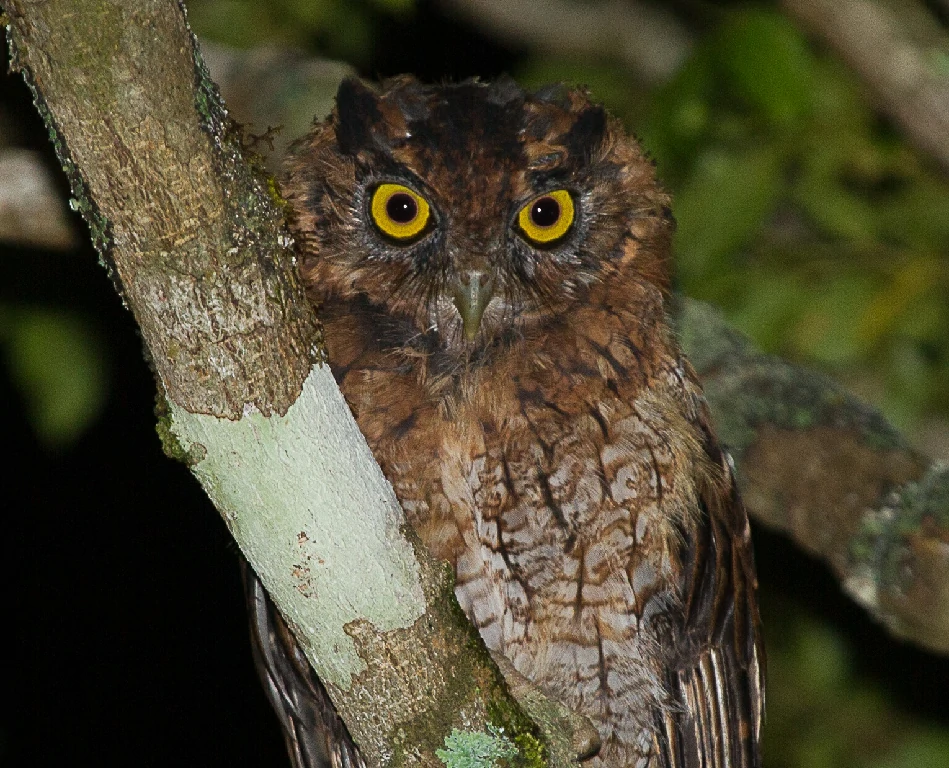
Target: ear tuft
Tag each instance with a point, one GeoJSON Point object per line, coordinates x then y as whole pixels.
{"type": "Point", "coordinates": [357, 111]}
{"type": "Point", "coordinates": [587, 132]}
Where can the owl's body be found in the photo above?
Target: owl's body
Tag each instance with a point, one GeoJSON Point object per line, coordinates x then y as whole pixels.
{"type": "Point", "coordinates": [516, 378]}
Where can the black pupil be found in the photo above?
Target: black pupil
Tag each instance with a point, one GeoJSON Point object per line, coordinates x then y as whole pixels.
{"type": "Point", "coordinates": [401, 208]}
{"type": "Point", "coordinates": [545, 212]}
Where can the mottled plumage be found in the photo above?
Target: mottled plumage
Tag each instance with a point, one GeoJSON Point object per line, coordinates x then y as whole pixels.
{"type": "Point", "coordinates": [521, 388]}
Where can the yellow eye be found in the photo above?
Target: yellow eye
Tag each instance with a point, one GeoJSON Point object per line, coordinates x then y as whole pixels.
{"type": "Point", "coordinates": [547, 218]}
{"type": "Point", "coordinates": [399, 212]}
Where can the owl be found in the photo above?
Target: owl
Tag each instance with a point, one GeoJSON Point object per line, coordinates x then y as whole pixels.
{"type": "Point", "coordinates": [491, 268]}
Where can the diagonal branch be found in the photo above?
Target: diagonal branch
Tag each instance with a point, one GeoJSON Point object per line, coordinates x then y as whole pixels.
{"type": "Point", "coordinates": [198, 250]}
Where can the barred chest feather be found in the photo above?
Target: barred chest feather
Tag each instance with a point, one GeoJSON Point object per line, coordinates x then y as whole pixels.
{"type": "Point", "coordinates": [561, 508]}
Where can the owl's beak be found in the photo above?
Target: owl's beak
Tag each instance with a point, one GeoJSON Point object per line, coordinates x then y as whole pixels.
{"type": "Point", "coordinates": [472, 292]}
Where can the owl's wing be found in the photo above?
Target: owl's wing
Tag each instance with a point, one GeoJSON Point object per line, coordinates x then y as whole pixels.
{"type": "Point", "coordinates": [718, 677]}
{"type": "Point", "coordinates": [315, 735]}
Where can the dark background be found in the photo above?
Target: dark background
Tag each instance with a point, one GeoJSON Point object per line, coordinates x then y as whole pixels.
{"type": "Point", "coordinates": [123, 621]}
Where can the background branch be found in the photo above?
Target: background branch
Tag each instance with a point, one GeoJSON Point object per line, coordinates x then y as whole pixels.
{"type": "Point", "coordinates": [904, 66]}
{"type": "Point", "coordinates": [829, 471]}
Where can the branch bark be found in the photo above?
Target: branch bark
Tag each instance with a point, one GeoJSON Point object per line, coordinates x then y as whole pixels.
{"type": "Point", "coordinates": [828, 470]}
{"type": "Point", "coordinates": [198, 250]}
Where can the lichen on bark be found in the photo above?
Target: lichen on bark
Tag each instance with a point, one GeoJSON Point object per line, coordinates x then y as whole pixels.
{"type": "Point", "coordinates": [827, 469]}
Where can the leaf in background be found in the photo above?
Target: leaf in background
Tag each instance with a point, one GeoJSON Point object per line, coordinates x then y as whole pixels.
{"type": "Point", "coordinates": [917, 214]}
{"type": "Point", "coordinates": [925, 323]}
{"type": "Point", "coordinates": [721, 206]}
{"type": "Point", "coordinates": [823, 710]}
{"type": "Point", "coordinates": [839, 104]}
{"type": "Point", "coordinates": [901, 296]}
{"type": "Point", "coordinates": [350, 34]}
{"type": "Point", "coordinates": [396, 7]}
{"type": "Point", "coordinates": [239, 23]}
{"type": "Point", "coordinates": [926, 748]}
{"type": "Point", "coordinates": [909, 383]}
{"type": "Point", "coordinates": [770, 304]}
{"type": "Point", "coordinates": [57, 362]}
{"type": "Point", "coordinates": [343, 28]}
{"type": "Point", "coordinates": [309, 15]}
{"type": "Point", "coordinates": [767, 63]}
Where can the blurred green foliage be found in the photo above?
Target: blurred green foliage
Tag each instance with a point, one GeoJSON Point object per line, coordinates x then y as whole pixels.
{"type": "Point", "coordinates": [344, 29]}
{"type": "Point", "coordinates": [824, 713]}
{"type": "Point", "coordinates": [56, 361]}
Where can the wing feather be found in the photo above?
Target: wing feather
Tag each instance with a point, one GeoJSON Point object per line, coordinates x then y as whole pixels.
{"type": "Point", "coordinates": [316, 737]}
{"type": "Point", "coordinates": [717, 678]}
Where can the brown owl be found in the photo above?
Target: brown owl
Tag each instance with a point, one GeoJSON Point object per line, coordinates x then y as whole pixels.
{"type": "Point", "coordinates": [492, 270]}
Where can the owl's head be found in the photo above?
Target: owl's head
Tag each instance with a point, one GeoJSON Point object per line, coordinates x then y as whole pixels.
{"type": "Point", "coordinates": [473, 214]}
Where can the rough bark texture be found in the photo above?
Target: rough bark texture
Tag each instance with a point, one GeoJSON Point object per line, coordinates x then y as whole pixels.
{"type": "Point", "coordinates": [198, 250]}
{"type": "Point", "coordinates": [818, 464]}
{"type": "Point", "coordinates": [172, 207]}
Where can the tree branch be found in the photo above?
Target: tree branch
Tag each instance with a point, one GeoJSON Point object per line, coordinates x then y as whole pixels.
{"type": "Point", "coordinates": [829, 471]}
{"type": "Point", "coordinates": [900, 65]}
{"type": "Point", "coordinates": [201, 257]}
